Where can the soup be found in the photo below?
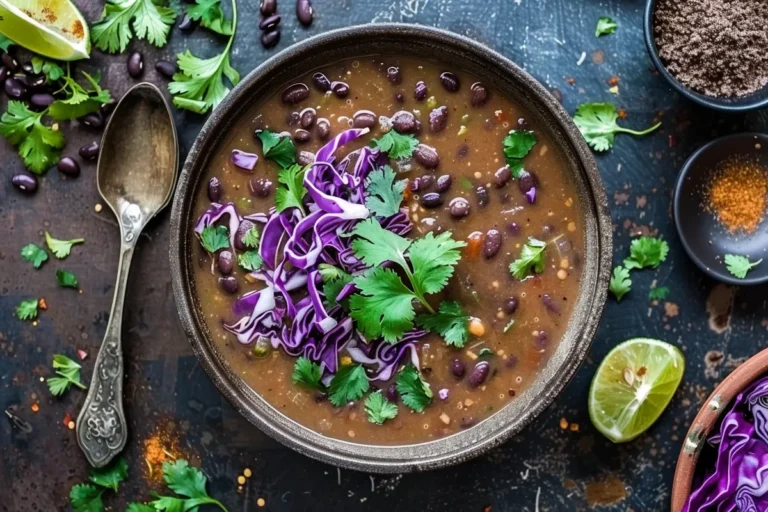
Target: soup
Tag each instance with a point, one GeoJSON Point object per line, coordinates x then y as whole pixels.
{"type": "Point", "coordinates": [390, 252]}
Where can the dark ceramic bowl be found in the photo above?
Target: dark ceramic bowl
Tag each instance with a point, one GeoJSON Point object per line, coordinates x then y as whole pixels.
{"type": "Point", "coordinates": [753, 101]}
{"type": "Point", "coordinates": [702, 236]}
{"type": "Point", "coordinates": [502, 75]}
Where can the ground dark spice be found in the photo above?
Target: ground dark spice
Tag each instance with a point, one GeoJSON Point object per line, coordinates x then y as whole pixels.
{"type": "Point", "coordinates": [716, 47]}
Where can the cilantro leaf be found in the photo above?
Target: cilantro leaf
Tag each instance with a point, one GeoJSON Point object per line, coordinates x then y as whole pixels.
{"type": "Point", "coordinates": [186, 481]}
{"type": "Point", "coordinates": [139, 507]}
{"type": "Point", "coordinates": [34, 254]}
{"type": "Point", "coordinates": [379, 409]}
{"type": "Point", "coordinates": [396, 145]}
{"type": "Point", "coordinates": [68, 372]}
{"type": "Point", "coordinates": [433, 259]}
{"type": "Point", "coordinates": [307, 373]}
{"type": "Point", "coordinates": [334, 280]}
{"type": "Point", "coordinates": [330, 272]}
{"type": "Point", "coordinates": [605, 25]}
{"type": "Point", "coordinates": [376, 245]}
{"type": "Point", "coordinates": [531, 259]}
{"type": "Point", "coordinates": [110, 476]}
{"type": "Point", "coordinates": [61, 248]}
{"type": "Point", "coordinates": [384, 195]}
{"type": "Point", "coordinates": [277, 147]}
{"type": "Point", "coordinates": [210, 16]}
{"type": "Point", "coordinates": [292, 191]}
{"type": "Point", "coordinates": [451, 322]}
{"type": "Point", "coordinates": [620, 282]}
{"type": "Point", "coordinates": [199, 85]}
{"type": "Point", "coordinates": [646, 252]}
{"type": "Point", "coordinates": [5, 43]}
{"type": "Point", "coordinates": [349, 384]}
{"type": "Point", "coordinates": [86, 498]}
{"type": "Point", "coordinates": [250, 260]}
{"type": "Point", "coordinates": [658, 293]}
{"type": "Point", "coordinates": [148, 18]}
{"type": "Point", "coordinates": [413, 390]}
{"type": "Point", "coordinates": [37, 143]}
{"type": "Point", "coordinates": [50, 69]}
{"type": "Point", "coordinates": [27, 309]}
{"type": "Point", "coordinates": [79, 101]}
{"type": "Point", "coordinates": [384, 306]}
{"type": "Point", "coordinates": [597, 123]}
{"type": "Point", "coordinates": [516, 146]}
{"type": "Point", "coordinates": [66, 278]}
{"type": "Point", "coordinates": [251, 238]}
{"type": "Point", "coordinates": [739, 265]}
{"type": "Point", "coordinates": [214, 238]}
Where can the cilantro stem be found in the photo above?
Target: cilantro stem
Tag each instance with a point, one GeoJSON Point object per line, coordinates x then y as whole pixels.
{"type": "Point", "coordinates": [635, 132]}
{"type": "Point", "coordinates": [70, 379]}
{"type": "Point", "coordinates": [416, 291]}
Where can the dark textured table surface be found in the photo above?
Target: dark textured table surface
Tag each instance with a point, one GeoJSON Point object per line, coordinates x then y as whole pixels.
{"type": "Point", "coordinates": [717, 327]}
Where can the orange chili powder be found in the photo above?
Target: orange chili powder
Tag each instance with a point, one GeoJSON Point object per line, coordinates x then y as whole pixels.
{"type": "Point", "coordinates": [737, 194]}
{"type": "Point", "coordinates": [161, 446]}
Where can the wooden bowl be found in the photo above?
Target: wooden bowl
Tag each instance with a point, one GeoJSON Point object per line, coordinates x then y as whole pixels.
{"type": "Point", "coordinates": [707, 419]}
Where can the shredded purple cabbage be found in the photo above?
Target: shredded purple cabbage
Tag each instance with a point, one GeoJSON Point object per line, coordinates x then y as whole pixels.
{"type": "Point", "coordinates": [243, 160]}
{"type": "Point", "coordinates": [531, 195]}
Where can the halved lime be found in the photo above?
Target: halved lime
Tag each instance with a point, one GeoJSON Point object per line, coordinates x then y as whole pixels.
{"type": "Point", "coordinates": [633, 386]}
{"type": "Point", "coordinates": [52, 28]}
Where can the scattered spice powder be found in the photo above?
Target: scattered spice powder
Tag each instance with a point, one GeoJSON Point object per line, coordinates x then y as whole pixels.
{"type": "Point", "coordinates": [160, 447]}
{"type": "Point", "coordinates": [737, 194]}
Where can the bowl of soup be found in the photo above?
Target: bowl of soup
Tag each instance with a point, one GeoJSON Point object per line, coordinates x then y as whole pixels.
{"type": "Point", "coordinates": [390, 248]}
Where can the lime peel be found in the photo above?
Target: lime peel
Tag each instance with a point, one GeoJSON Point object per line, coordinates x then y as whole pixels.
{"type": "Point", "coordinates": [52, 28]}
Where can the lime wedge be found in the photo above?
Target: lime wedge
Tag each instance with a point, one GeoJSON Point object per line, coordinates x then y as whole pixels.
{"type": "Point", "coordinates": [633, 386]}
{"type": "Point", "coordinates": [51, 28]}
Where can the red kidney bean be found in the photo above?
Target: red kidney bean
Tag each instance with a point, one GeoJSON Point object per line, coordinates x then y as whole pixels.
{"type": "Point", "coordinates": [450, 81]}
{"type": "Point", "coordinates": [421, 91]}
{"type": "Point", "coordinates": [491, 243]}
{"type": "Point", "coordinates": [431, 200]}
{"type": "Point", "coordinates": [69, 167]}
{"type": "Point", "coordinates": [293, 118]}
{"type": "Point", "coordinates": [25, 182]}
{"type": "Point", "coordinates": [364, 119]}
{"type": "Point", "coordinates": [135, 65]}
{"type": "Point", "coordinates": [321, 82]}
{"type": "Point", "coordinates": [340, 89]}
{"type": "Point", "coordinates": [550, 304]}
{"type": "Point", "coordinates": [438, 118]}
{"type": "Point", "coordinates": [165, 68]}
{"type": "Point", "coordinates": [403, 122]}
{"type": "Point", "coordinates": [307, 117]}
{"type": "Point", "coordinates": [9, 62]}
{"type": "Point", "coordinates": [242, 229]}
{"type": "Point", "coordinates": [93, 120]}
{"type": "Point", "coordinates": [426, 156]}
{"type": "Point", "coordinates": [304, 12]}
{"type": "Point", "coordinates": [510, 306]}
{"type": "Point", "coordinates": [228, 284]}
{"type": "Point", "coordinates": [270, 39]}
{"type": "Point", "coordinates": [295, 93]}
{"type": "Point", "coordinates": [526, 181]}
{"type": "Point", "coordinates": [89, 151]}
{"type": "Point", "coordinates": [483, 198]}
{"type": "Point", "coordinates": [444, 183]}
{"type": "Point", "coordinates": [260, 187]}
{"type": "Point", "coordinates": [323, 128]}
{"type": "Point", "coordinates": [15, 89]}
{"type": "Point", "coordinates": [458, 207]}
{"type": "Point", "coordinates": [270, 22]}
{"type": "Point", "coordinates": [502, 176]}
{"type": "Point", "coordinates": [301, 135]}
{"type": "Point", "coordinates": [479, 374]}
{"type": "Point", "coordinates": [305, 158]}
{"type": "Point", "coordinates": [41, 100]}
{"type": "Point", "coordinates": [478, 94]}
{"type": "Point", "coordinates": [458, 368]}
{"type": "Point", "coordinates": [394, 76]}
{"type": "Point", "coordinates": [226, 262]}
{"type": "Point", "coordinates": [214, 190]}
{"type": "Point", "coordinates": [187, 24]}
{"type": "Point", "coordinates": [268, 7]}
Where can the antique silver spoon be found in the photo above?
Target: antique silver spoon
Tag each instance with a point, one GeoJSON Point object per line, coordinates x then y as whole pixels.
{"type": "Point", "coordinates": [136, 174]}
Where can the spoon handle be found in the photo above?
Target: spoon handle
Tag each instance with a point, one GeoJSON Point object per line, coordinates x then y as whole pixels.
{"type": "Point", "coordinates": [101, 426]}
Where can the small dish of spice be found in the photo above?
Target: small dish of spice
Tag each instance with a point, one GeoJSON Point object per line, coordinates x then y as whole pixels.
{"type": "Point", "coordinates": [720, 205]}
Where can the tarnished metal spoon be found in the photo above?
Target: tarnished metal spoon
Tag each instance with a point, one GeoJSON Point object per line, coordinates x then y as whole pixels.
{"type": "Point", "coordinates": [136, 175]}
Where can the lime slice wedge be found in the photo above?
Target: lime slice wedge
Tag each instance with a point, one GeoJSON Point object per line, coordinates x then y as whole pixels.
{"type": "Point", "coordinates": [633, 386]}
{"type": "Point", "coordinates": [52, 28]}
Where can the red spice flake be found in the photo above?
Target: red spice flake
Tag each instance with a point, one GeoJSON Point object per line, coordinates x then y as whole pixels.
{"type": "Point", "coordinates": [672, 141]}
{"type": "Point", "coordinates": [42, 304]}
{"type": "Point", "coordinates": [571, 80]}
{"type": "Point", "coordinates": [77, 29]}
{"type": "Point", "coordinates": [35, 407]}
{"type": "Point", "coordinates": [160, 447]}
{"type": "Point", "coordinates": [487, 509]}
{"type": "Point", "coordinates": [622, 113]}
{"type": "Point", "coordinates": [67, 419]}
{"type": "Point", "coordinates": [82, 354]}
{"type": "Point", "coordinates": [614, 80]}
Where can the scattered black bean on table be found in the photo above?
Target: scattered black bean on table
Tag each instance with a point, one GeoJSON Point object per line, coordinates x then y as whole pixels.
{"type": "Point", "coordinates": [93, 120]}
{"type": "Point", "coordinates": [25, 182]}
{"type": "Point", "coordinates": [15, 89]}
{"type": "Point", "coordinates": [165, 68]}
{"type": "Point", "coordinates": [9, 62]}
{"type": "Point", "coordinates": [135, 65]}
{"type": "Point", "coordinates": [89, 151]}
{"type": "Point", "coordinates": [69, 167]}
{"type": "Point", "coordinates": [304, 12]}
{"type": "Point", "coordinates": [41, 100]}
{"type": "Point", "coordinates": [187, 24]}
{"type": "Point", "coordinates": [270, 39]}
{"type": "Point", "coordinates": [268, 7]}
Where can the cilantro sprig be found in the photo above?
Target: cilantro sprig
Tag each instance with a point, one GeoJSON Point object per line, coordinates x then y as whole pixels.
{"type": "Point", "coordinates": [27, 309]}
{"type": "Point", "coordinates": [379, 409]}
{"type": "Point", "coordinates": [79, 100]}
{"type": "Point", "coordinates": [413, 390]}
{"type": "Point", "coordinates": [87, 497]}
{"type": "Point", "coordinates": [308, 374]}
{"type": "Point", "coordinates": [214, 238]}
{"type": "Point", "coordinates": [38, 144]}
{"type": "Point", "coordinates": [597, 123]}
{"type": "Point", "coordinates": [605, 26]}
{"type": "Point", "coordinates": [658, 293]}
{"type": "Point", "coordinates": [739, 265]}
{"type": "Point", "coordinates": [66, 278]}
{"type": "Point", "coordinates": [451, 322]}
{"type": "Point", "coordinates": [61, 248]}
{"type": "Point", "coordinates": [278, 148]}
{"type": "Point", "coordinates": [211, 16]}
{"type": "Point", "coordinates": [516, 145]}
{"type": "Point", "coordinates": [620, 282]}
{"type": "Point", "coordinates": [292, 191]}
{"type": "Point", "coordinates": [383, 193]}
{"type": "Point", "coordinates": [188, 484]}
{"type": "Point", "coordinates": [646, 252]}
{"type": "Point", "coordinates": [34, 254]}
{"type": "Point", "coordinates": [396, 145]}
{"type": "Point", "coordinates": [68, 372]}
{"type": "Point", "coordinates": [250, 260]}
{"type": "Point", "coordinates": [334, 280]}
{"type": "Point", "coordinates": [531, 259]}
{"type": "Point", "coordinates": [349, 384]}
{"type": "Point", "coordinates": [122, 19]}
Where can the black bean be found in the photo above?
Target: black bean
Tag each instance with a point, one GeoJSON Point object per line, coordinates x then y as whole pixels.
{"type": "Point", "coordinates": [394, 76]}
{"type": "Point", "coordinates": [165, 68]}
{"type": "Point", "coordinates": [513, 228]}
{"type": "Point", "coordinates": [483, 198]}
{"type": "Point", "coordinates": [89, 151]}
{"type": "Point", "coordinates": [304, 12]}
{"type": "Point", "coordinates": [214, 190]}
{"type": "Point", "coordinates": [526, 181]}
{"type": "Point", "coordinates": [444, 183]}
{"type": "Point", "coordinates": [510, 306]}
{"type": "Point", "coordinates": [305, 158]}
{"type": "Point", "coordinates": [364, 119]}
{"type": "Point", "coordinates": [323, 128]}
{"type": "Point", "coordinates": [261, 187]}
{"type": "Point", "coordinates": [268, 7]}
{"type": "Point", "coordinates": [492, 243]}
{"type": "Point", "coordinates": [540, 340]}
{"type": "Point", "coordinates": [107, 108]}
{"type": "Point", "coordinates": [422, 182]}
{"type": "Point", "coordinates": [431, 200]}
{"type": "Point", "coordinates": [9, 62]}
{"type": "Point", "coordinates": [458, 368]}
{"type": "Point", "coordinates": [69, 167]}
{"type": "Point", "coordinates": [340, 89]}
{"type": "Point", "coordinates": [426, 156]}
{"type": "Point", "coordinates": [502, 176]}
{"type": "Point", "coordinates": [27, 68]}
{"type": "Point", "coordinates": [226, 262]}
{"type": "Point", "coordinates": [421, 91]}
{"type": "Point", "coordinates": [93, 120]}
{"type": "Point", "coordinates": [438, 118]}
{"type": "Point", "coordinates": [301, 135]}
{"type": "Point", "coordinates": [41, 100]}
{"type": "Point", "coordinates": [462, 151]}
{"type": "Point", "coordinates": [321, 82]}
{"type": "Point", "coordinates": [478, 94]}
{"type": "Point", "coordinates": [242, 229]}
{"type": "Point", "coordinates": [403, 122]}
{"type": "Point", "coordinates": [228, 284]}
{"type": "Point", "coordinates": [25, 182]}
{"type": "Point", "coordinates": [293, 118]}
{"type": "Point", "coordinates": [187, 24]}
{"type": "Point", "coordinates": [36, 82]}
{"type": "Point", "coordinates": [270, 39]}
{"type": "Point", "coordinates": [270, 22]}
{"type": "Point", "coordinates": [458, 207]}
{"type": "Point", "coordinates": [295, 93]}
{"type": "Point", "coordinates": [522, 123]}
{"type": "Point", "coordinates": [550, 304]}
{"type": "Point", "coordinates": [450, 81]}
{"type": "Point", "coordinates": [307, 117]}
{"type": "Point", "coordinates": [399, 97]}
{"type": "Point", "coordinates": [135, 65]}
{"type": "Point", "coordinates": [15, 89]}
{"type": "Point", "coordinates": [391, 393]}
{"type": "Point", "coordinates": [479, 374]}
{"type": "Point", "coordinates": [3, 73]}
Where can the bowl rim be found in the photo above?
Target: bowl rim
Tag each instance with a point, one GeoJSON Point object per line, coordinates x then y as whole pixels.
{"type": "Point", "coordinates": [676, 208]}
{"type": "Point", "coordinates": [500, 426]}
{"type": "Point", "coordinates": [705, 420]}
{"type": "Point", "coordinates": [713, 102]}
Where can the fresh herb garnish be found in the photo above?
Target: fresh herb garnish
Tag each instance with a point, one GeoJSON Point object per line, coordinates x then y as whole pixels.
{"type": "Point", "coordinates": [187, 482]}
{"type": "Point", "coordinates": [516, 146]}
{"type": "Point", "coordinates": [5, 43]}
{"type": "Point", "coordinates": [251, 238]}
{"type": "Point", "coordinates": [149, 19]}
{"type": "Point", "coordinates": [379, 409]}
{"type": "Point", "coordinates": [292, 192]}
{"type": "Point", "coordinates": [413, 390]}
{"type": "Point", "coordinates": [34, 254]}
{"type": "Point", "coordinates": [277, 147]}
{"type": "Point", "coordinates": [211, 16]}
{"type": "Point", "coordinates": [214, 238]}
{"type": "Point", "coordinates": [620, 283]}
{"type": "Point", "coordinates": [27, 309]}
{"type": "Point", "coordinates": [384, 194]}
{"type": "Point", "coordinates": [451, 322]}
{"type": "Point", "coordinates": [605, 25]}
{"type": "Point", "coordinates": [531, 259]}
{"type": "Point", "coordinates": [396, 145]}
{"type": "Point", "coordinates": [38, 144]}
{"type": "Point", "coordinates": [250, 260]}
{"type": "Point", "coordinates": [79, 100]}
{"type": "Point", "coordinates": [50, 69]}
{"type": "Point", "coordinates": [597, 123]}
{"type": "Point", "coordinates": [330, 272]}
{"type": "Point", "coordinates": [87, 497]}
{"type": "Point", "coordinates": [646, 252]}
{"type": "Point", "coordinates": [68, 372]}
{"type": "Point", "coordinates": [61, 248]}
{"type": "Point", "coordinates": [658, 293]}
{"type": "Point", "coordinates": [334, 280]}
{"type": "Point", "coordinates": [139, 507]}
{"type": "Point", "coordinates": [349, 384]}
{"type": "Point", "coordinates": [66, 278]}
{"type": "Point", "coordinates": [307, 373]}
{"type": "Point", "coordinates": [739, 265]}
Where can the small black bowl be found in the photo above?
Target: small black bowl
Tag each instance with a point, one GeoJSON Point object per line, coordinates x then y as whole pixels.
{"type": "Point", "coordinates": [703, 238]}
{"type": "Point", "coordinates": [758, 99]}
